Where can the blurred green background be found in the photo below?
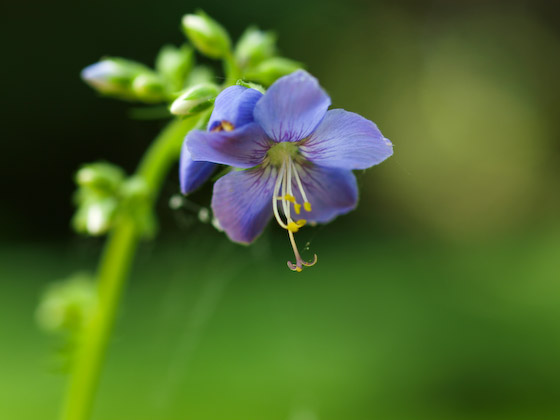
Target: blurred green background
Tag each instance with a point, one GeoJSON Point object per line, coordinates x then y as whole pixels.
{"type": "Point", "coordinates": [438, 298]}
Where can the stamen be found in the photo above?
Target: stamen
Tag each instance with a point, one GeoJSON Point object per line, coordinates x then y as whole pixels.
{"type": "Point", "coordinates": [293, 226]}
{"type": "Point", "coordinates": [224, 126]}
{"type": "Point", "coordinates": [306, 203]}
{"type": "Point", "coordinates": [283, 192]}
{"type": "Point", "coordinates": [275, 196]}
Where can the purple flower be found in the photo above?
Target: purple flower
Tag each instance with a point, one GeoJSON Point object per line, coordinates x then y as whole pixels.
{"type": "Point", "coordinates": [233, 109]}
{"type": "Point", "coordinates": [298, 160]}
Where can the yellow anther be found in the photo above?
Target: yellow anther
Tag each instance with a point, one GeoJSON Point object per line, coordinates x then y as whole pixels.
{"type": "Point", "coordinates": [227, 126]}
{"type": "Point", "coordinates": [290, 198]}
{"type": "Point", "coordinates": [299, 269]}
{"type": "Point", "coordinates": [293, 227]}
{"type": "Point", "coordinates": [224, 126]}
{"type": "Point", "coordinates": [297, 208]}
{"type": "Point", "coordinates": [301, 222]}
{"type": "Point", "coordinates": [307, 206]}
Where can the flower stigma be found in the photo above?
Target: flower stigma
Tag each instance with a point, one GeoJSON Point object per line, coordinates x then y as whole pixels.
{"type": "Point", "coordinates": [284, 156]}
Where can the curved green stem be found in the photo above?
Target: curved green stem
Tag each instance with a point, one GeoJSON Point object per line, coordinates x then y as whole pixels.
{"type": "Point", "coordinates": [113, 272]}
{"type": "Point", "coordinates": [231, 69]}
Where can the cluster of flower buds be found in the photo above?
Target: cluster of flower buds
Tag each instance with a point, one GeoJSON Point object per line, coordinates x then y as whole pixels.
{"type": "Point", "coordinates": [66, 305]}
{"type": "Point", "coordinates": [104, 193]}
{"type": "Point", "coordinates": [64, 311]}
{"type": "Point", "coordinates": [178, 81]}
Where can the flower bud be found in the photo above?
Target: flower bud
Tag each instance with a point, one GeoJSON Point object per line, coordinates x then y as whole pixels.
{"type": "Point", "coordinates": [67, 305]}
{"type": "Point", "coordinates": [97, 197]}
{"type": "Point", "coordinates": [102, 177]}
{"type": "Point", "coordinates": [272, 69]}
{"type": "Point", "coordinates": [95, 216]}
{"type": "Point", "coordinates": [200, 74]}
{"type": "Point", "coordinates": [195, 100]}
{"type": "Point", "coordinates": [113, 76]}
{"type": "Point", "coordinates": [207, 35]}
{"type": "Point", "coordinates": [174, 64]}
{"type": "Point", "coordinates": [148, 87]}
{"type": "Point", "coordinates": [254, 46]}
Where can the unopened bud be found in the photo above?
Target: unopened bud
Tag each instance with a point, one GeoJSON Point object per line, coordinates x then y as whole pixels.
{"type": "Point", "coordinates": [272, 69]}
{"type": "Point", "coordinates": [67, 305]}
{"type": "Point", "coordinates": [200, 74]}
{"type": "Point", "coordinates": [174, 64]}
{"type": "Point", "coordinates": [207, 35]}
{"type": "Point", "coordinates": [100, 176]}
{"type": "Point", "coordinates": [113, 76]}
{"type": "Point", "coordinates": [254, 46]}
{"type": "Point", "coordinates": [195, 100]}
{"type": "Point", "coordinates": [148, 87]}
{"type": "Point", "coordinates": [96, 216]}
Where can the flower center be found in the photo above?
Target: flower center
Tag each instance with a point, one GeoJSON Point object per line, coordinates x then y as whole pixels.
{"type": "Point", "coordinates": [283, 192]}
{"type": "Point", "coordinates": [278, 153]}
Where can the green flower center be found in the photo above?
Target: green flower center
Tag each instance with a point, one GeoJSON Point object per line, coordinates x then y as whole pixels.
{"type": "Point", "coordinates": [278, 153]}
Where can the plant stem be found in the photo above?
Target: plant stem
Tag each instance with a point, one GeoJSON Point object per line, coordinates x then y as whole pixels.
{"type": "Point", "coordinates": [113, 271]}
{"type": "Point", "coordinates": [231, 69]}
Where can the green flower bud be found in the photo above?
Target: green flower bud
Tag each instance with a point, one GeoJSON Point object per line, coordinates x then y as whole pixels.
{"type": "Point", "coordinates": [102, 177]}
{"type": "Point", "coordinates": [195, 100]}
{"type": "Point", "coordinates": [97, 198]}
{"type": "Point", "coordinates": [114, 76]}
{"type": "Point", "coordinates": [271, 69]}
{"type": "Point", "coordinates": [148, 87]}
{"type": "Point", "coordinates": [255, 46]}
{"type": "Point", "coordinates": [67, 306]}
{"type": "Point", "coordinates": [95, 216]}
{"type": "Point", "coordinates": [174, 64]}
{"type": "Point", "coordinates": [207, 35]}
{"type": "Point", "coordinates": [200, 74]}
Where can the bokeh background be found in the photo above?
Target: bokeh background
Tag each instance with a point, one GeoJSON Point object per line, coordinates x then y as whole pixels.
{"type": "Point", "coordinates": [438, 298]}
